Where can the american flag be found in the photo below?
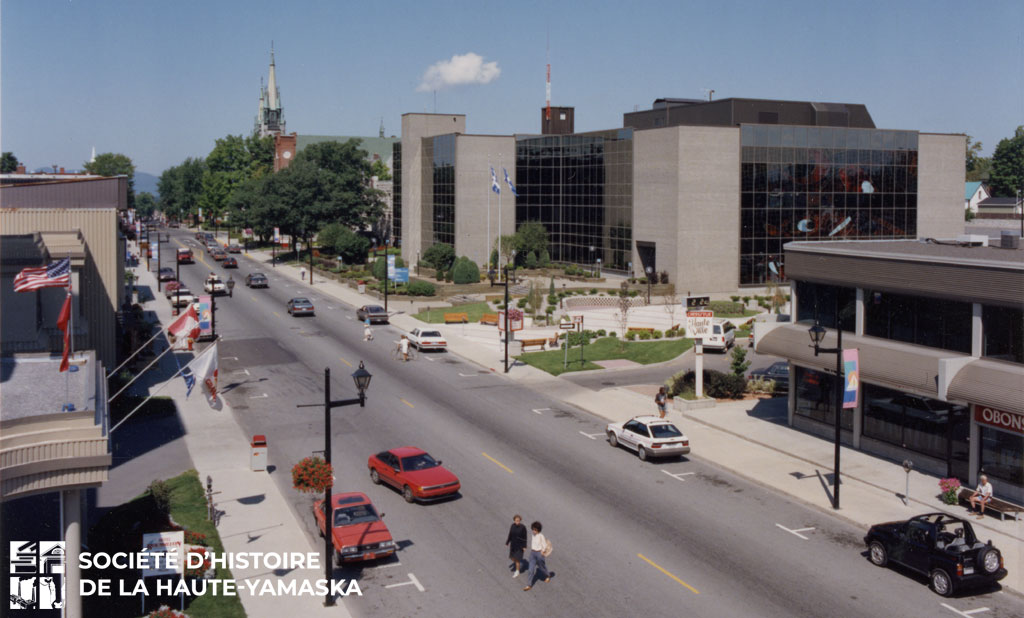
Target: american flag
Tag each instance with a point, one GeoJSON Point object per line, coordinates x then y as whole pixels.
{"type": "Point", "coordinates": [56, 275]}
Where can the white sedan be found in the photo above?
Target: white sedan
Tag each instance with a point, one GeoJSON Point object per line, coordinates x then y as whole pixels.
{"type": "Point", "coordinates": [649, 436]}
{"type": "Point", "coordinates": [214, 286]}
{"type": "Point", "coordinates": [424, 339]}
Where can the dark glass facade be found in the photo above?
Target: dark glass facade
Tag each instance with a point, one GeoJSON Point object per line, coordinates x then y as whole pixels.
{"type": "Point", "coordinates": [919, 424]}
{"type": "Point", "coordinates": [816, 398]}
{"type": "Point", "coordinates": [439, 190]}
{"type": "Point", "coordinates": [579, 187]}
{"type": "Point", "coordinates": [1002, 455]}
{"type": "Point", "coordinates": [821, 183]}
{"type": "Point", "coordinates": [931, 322]}
{"type": "Point", "coordinates": [1003, 329]}
{"type": "Point", "coordinates": [396, 193]}
{"type": "Point", "coordinates": [825, 303]}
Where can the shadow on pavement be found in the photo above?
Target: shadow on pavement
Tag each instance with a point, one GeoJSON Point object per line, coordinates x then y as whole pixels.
{"type": "Point", "coordinates": [774, 410]}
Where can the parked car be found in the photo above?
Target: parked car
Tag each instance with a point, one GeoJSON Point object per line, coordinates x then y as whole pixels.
{"type": "Point", "coordinates": [413, 472]}
{"type": "Point", "coordinates": [185, 256]}
{"type": "Point", "coordinates": [229, 262]}
{"type": "Point", "coordinates": [171, 287]}
{"type": "Point", "coordinates": [234, 248]}
{"type": "Point", "coordinates": [427, 339]}
{"type": "Point", "coordinates": [182, 297]}
{"type": "Point", "coordinates": [167, 273]}
{"type": "Point", "coordinates": [357, 531]}
{"type": "Point", "coordinates": [649, 436]}
{"type": "Point", "coordinates": [723, 335]}
{"type": "Point", "coordinates": [776, 372]}
{"type": "Point", "coordinates": [300, 306]}
{"type": "Point", "coordinates": [940, 546]}
{"type": "Point", "coordinates": [257, 280]}
{"type": "Point", "coordinates": [375, 313]}
{"type": "Point", "coordinates": [218, 254]}
{"type": "Point", "coordinates": [214, 286]}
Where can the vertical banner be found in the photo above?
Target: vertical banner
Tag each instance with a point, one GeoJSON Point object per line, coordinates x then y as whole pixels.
{"type": "Point", "coordinates": [391, 267]}
{"type": "Point", "coordinates": [277, 235]}
{"type": "Point", "coordinates": [851, 378]}
{"type": "Point", "coordinates": [205, 317]}
{"type": "Point", "coordinates": [200, 214]}
{"type": "Point", "coordinates": [156, 255]}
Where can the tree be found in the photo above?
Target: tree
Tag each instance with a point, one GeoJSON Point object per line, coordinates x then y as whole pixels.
{"type": "Point", "coordinates": [465, 270]}
{"type": "Point", "coordinates": [380, 169]}
{"type": "Point", "coordinates": [976, 167]}
{"type": "Point", "coordinates": [342, 241]}
{"type": "Point", "coordinates": [8, 163]}
{"type": "Point", "coordinates": [671, 305]}
{"type": "Point", "coordinates": [509, 245]}
{"type": "Point", "coordinates": [113, 164]}
{"type": "Point", "coordinates": [145, 204]}
{"type": "Point", "coordinates": [622, 316]}
{"type": "Point", "coordinates": [1008, 165]}
{"type": "Point", "coordinates": [180, 188]}
{"type": "Point", "coordinates": [380, 266]}
{"type": "Point", "coordinates": [353, 202]}
{"type": "Point", "coordinates": [532, 236]}
{"type": "Point", "coordinates": [531, 260]}
{"type": "Point", "coordinates": [439, 256]}
{"type": "Point", "coordinates": [544, 259]}
{"type": "Point", "coordinates": [739, 364]}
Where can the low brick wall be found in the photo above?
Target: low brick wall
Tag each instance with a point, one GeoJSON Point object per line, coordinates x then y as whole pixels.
{"type": "Point", "coordinates": [579, 302]}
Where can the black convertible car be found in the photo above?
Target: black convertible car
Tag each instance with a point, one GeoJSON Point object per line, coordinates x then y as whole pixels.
{"type": "Point", "coordinates": [942, 547]}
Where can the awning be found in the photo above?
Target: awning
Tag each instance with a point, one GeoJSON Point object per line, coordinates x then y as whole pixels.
{"type": "Point", "coordinates": [990, 383]}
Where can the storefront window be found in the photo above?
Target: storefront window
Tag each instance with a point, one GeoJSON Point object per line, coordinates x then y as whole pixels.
{"type": "Point", "coordinates": [1002, 455]}
{"type": "Point", "coordinates": [1003, 329]}
{"type": "Point", "coordinates": [824, 303]}
{"type": "Point", "coordinates": [915, 423]}
{"type": "Point", "coordinates": [931, 322]}
{"type": "Point", "coordinates": [816, 398]}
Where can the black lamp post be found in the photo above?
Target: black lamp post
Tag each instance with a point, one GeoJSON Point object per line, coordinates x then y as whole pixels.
{"type": "Point", "coordinates": [160, 240]}
{"type": "Point", "coordinates": [361, 377]}
{"type": "Point", "coordinates": [507, 308]}
{"type": "Point", "coordinates": [650, 273]}
{"type": "Point", "coordinates": [817, 333]}
{"type": "Point", "coordinates": [385, 269]}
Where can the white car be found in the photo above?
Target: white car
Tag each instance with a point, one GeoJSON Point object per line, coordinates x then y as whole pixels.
{"type": "Point", "coordinates": [181, 298]}
{"type": "Point", "coordinates": [214, 286]}
{"type": "Point", "coordinates": [426, 339]}
{"type": "Point", "coordinates": [723, 335]}
{"type": "Point", "coordinates": [649, 436]}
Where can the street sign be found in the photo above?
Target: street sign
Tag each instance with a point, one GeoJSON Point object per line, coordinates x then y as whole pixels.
{"type": "Point", "coordinates": [400, 275]}
{"type": "Point", "coordinates": [698, 324]}
{"type": "Point", "coordinates": [567, 325]}
{"type": "Point", "coordinates": [697, 302]}
{"type": "Point", "coordinates": [247, 233]}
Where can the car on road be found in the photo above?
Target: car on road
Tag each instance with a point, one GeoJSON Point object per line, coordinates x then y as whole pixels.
{"type": "Point", "coordinates": [218, 254]}
{"type": "Point", "coordinates": [300, 306]}
{"type": "Point", "coordinates": [375, 313]}
{"type": "Point", "coordinates": [214, 286]}
{"type": "Point", "coordinates": [229, 262]}
{"type": "Point", "coordinates": [723, 335]}
{"type": "Point", "coordinates": [649, 436]}
{"type": "Point", "coordinates": [182, 297]}
{"type": "Point", "coordinates": [427, 339]}
{"type": "Point", "coordinates": [357, 530]}
{"type": "Point", "coordinates": [939, 546]}
{"type": "Point", "coordinates": [257, 280]}
{"type": "Point", "coordinates": [199, 236]}
{"type": "Point", "coordinates": [184, 256]}
{"type": "Point", "coordinates": [413, 472]}
{"type": "Point", "coordinates": [776, 372]}
{"type": "Point", "coordinates": [167, 274]}
{"type": "Point", "coordinates": [171, 287]}
{"type": "Point", "coordinates": [234, 248]}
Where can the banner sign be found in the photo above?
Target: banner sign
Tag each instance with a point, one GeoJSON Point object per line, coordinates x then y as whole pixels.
{"type": "Point", "coordinates": [205, 317]}
{"type": "Point", "coordinates": [277, 235]}
{"type": "Point", "coordinates": [247, 233]}
{"type": "Point", "coordinates": [169, 546]}
{"type": "Point", "coordinates": [391, 267]}
{"type": "Point", "coordinates": [851, 378]}
{"type": "Point", "coordinates": [156, 256]}
{"type": "Point", "coordinates": [698, 324]}
{"type": "Point", "coordinates": [515, 321]}
{"type": "Point", "coordinates": [401, 275]}
{"type": "Point", "coordinates": [1000, 419]}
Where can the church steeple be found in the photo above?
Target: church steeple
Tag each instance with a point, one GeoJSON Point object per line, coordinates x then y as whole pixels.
{"type": "Point", "coordinates": [270, 120]}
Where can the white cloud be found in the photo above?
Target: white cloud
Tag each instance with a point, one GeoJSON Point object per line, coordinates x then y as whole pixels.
{"type": "Point", "coordinates": [465, 69]}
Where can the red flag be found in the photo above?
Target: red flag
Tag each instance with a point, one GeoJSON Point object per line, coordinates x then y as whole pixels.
{"type": "Point", "coordinates": [184, 328]}
{"type": "Point", "coordinates": [62, 323]}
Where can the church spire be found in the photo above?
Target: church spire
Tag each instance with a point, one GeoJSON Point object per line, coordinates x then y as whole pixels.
{"type": "Point", "coordinates": [271, 116]}
{"type": "Point", "coordinates": [272, 93]}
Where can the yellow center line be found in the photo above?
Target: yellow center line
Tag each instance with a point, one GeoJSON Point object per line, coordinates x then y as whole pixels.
{"type": "Point", "coordinates": [648, 561]}
{"type": "Point", "coordinates": [407, 403]}
{"type": "Point", "coordinates": [276, 313]}
{"type": "Point", "coordinates": [345, 361]}
{"type": "Point", "coordinates": [252, 298]}
{"type": "Point", "coordinates": [506, 468]}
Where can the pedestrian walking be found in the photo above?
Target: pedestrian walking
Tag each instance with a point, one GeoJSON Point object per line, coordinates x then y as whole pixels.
{"type": "Point", "coordinates": [367, 333]}
{"type": "Point", "coordinates": [403, 347]}
{"type": "Point", "coordinates": [540, 549]}
{"type": "Point", "coordinates": [660, 399]}
{"type": "Point", "coordinates": [982, 494]}
{"type": "Point", "coordinates": [516, 543]}
{"type": "Point", "coordinates": [302, 273]}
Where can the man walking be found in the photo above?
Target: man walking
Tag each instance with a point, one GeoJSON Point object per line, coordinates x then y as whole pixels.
{"type": "Point", "coordinates": [516, 543]}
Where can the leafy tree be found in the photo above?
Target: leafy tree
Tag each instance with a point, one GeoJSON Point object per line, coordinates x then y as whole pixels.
{"type": "Point", "coordinates": [739, 363]}
{"type": "Point", "coordinates": [180, 188]}
{"type": "Point", "coordinates": [465, 270]}
{"type": "Point", "coordinates": [976, 166]}
{"type": "Point", "coordinates": [551, 288]}
{"type": "Point", "coordinates": [8, 163]}
{"type": "Point", "coordinates": [439, 256]}
{"type": "Point", "coordinates": [113, 164]}
{"type": "Point", "coordinates": [509, 244]}
{"type": "Point", "coordinates": [145, 204]}
{"type": "Point", "coordinates": [532, 236]}
{"type": "Point", "coordinates": [531, 260]}
{"type": "Point", "coordinates": [1008, 165]}
{"type": "Point", "coordinates": [380, 266]}
{"type": "Point", "coordinates": [544, 258]}
{"type": "Point", "coordinates": [353, 202]}
{"type": "Point", "coordinates": [380, 169]}
{"type": "Point", "coordinates": [494, 258]}
{"type": "Point", "coordinates": [342, 241]}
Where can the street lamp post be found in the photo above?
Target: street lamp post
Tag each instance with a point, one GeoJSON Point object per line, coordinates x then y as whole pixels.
{"type": "Point", "coordinates": [160, 240]}
{"type": "Point", "coordinates": [361, 377]}
{"type": "Point", "coordinates": [386, 246]}
{"type": "Point", "coordinates": [650, 273]}
{"type": "Point", "coordinates": [817, 333]}
{"type": "Point", "coordinates": [506, 317]}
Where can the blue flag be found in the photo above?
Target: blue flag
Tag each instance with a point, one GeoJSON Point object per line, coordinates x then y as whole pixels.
{"type": "Point", "coordinates": [508, 181]}
{"type": "Point", "coordinates": [494, 182]}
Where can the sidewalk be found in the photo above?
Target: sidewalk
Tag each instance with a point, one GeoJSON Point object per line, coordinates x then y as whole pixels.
{"type": "Point", "coordinates": [749, 438]}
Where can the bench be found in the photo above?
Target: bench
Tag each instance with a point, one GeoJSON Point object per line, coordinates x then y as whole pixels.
{"type": "Point", "coordinates": [458, 318]}
{"type": "Point", "coordinates": [635, 329]}
{"type": "Point", "coordinates": [525, 343]}
{"type": "Point", "coordinates": [489, 318]}
{"type": "Point", "coordinates": [1002, 507]}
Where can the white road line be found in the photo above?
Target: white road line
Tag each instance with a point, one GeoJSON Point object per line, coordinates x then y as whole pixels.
{"type": "Point", "coordinates": [430, 359]}
{"type": "Point", "coordinates": [541, 411]}
{"type": "Point", "coordinates": [245, 371]}
{"type": "Point", "coordinates": [263, 396]}
{"type": "Point", "coordinates": [231, 357]}
{"type": "Point", "coordinates": [677, 475]}
{"type": "Point", "coordinates": [797, 531]}
{"type": "Point", "coordinates": [348, 317]}
{"type": "Point", "coordinates": [467, 375]}
{"type": "Point", "coordinates": [412, 582]}
{"type": "Point", "coordinates": [966, 614]}
{"type": "Point", "coordinates": [591, 435]}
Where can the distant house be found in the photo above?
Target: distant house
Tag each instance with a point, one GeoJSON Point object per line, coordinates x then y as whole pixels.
{"type": "Point", "coordinates": [999, 208]}
{"type": "Point", "coordinates": [975, 192]}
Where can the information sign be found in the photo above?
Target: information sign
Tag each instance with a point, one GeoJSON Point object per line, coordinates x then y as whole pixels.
{"type": "Point", "coordinates": [698, 324]}
{"type": "Point", "coordinates": [401, 275]}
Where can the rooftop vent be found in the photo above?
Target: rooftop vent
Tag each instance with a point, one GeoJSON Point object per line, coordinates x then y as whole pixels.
{"type": "Point", "coordinates": [972, 240]}
{"type": "Point", "coordinates": [1009, 240]}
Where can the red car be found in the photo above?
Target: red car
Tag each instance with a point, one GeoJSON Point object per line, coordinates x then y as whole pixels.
{"type": "Point", "coordinates": [357, 530]}
{"type": "Point", "coordinates": [414, 472]}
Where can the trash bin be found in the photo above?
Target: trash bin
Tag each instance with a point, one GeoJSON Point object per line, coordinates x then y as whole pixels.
{"type": "Point", "coordinates": [361, 286]}
{"type": "Point", "coordinates": [258, 453]}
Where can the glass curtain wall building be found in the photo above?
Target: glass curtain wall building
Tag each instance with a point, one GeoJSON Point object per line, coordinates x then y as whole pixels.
{"type": "Point", "coordinates": [396, 193]}
{"type": "Point", "coordinates": [579, 187]}
{"type": "Point", "coordinates": [439, 188]}
{"type": "Point", "coordinates": [821, 183]}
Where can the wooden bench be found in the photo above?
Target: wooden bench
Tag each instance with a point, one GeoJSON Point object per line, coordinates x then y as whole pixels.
{"type": "Point", "coordinates": [489, 318]}
{"type": "Point", "coordinates": [458, 318]}
{"type": "Point", "coordinates": [1002, 507]}
{"type": "Point", "coordinates": [635, 329]}
{"type": "Point", "coordinates": [525, 343]}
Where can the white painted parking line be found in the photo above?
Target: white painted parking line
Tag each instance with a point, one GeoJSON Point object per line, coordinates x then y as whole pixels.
{"type": "Point", "coordinates": [592, 436]}
{"type": "Point", "coordinates": [430, 359]}
{"type": "Point", "coordinates": [796, 532]}
{"type": "Point", "coordinates": [263, 396]}
{"type": "Point", "coordinates": [541, 410]}
{"type": "Point", "coordinates": [467, 375]}
{"type": "Point", "coordinates": [245, 371]}
{"type": "Point", "coordinates": [677, 475]}
{"type": "Point", "coordinates": [231, 357]}
{"type": "Point", "coordinates": [412, 582]}
{"type": "Point", "coordinates": [348, 317]}
{"type": "Point", "coordinates": [966, 614]}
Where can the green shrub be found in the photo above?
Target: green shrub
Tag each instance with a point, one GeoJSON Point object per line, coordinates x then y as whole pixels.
{"type": "Point", "coordinates": [721, 306]}
{"type": "Point", "coordinates": [550, 310]}
{"type": "Point", "coordinates": [521, 303]}
{"type": "Point", "coordinates": [440, 256]}
{"type": "Point", "coordinates": [380, 266]}
{"type": "Point", "coordinates": [421, 288]}
{"type": "Point", "coordinates": [545, 259]}
{"type": "Point", "coordinates": [531, 260]}
{"type": "Point", "coordinates": [601, 332]}
{"type": "Point", "coordinates": [552, 299]}
{"type": "Point", "coordinates": [439, 275]}
{"type": "Point", "coordinates": [656, 334]}
{"type": "Point", "coordinates": [645, 335]}
{"type": "Point", "coordinates": [716, 384]}
{"type": "Point", "coordinates": [465, 270]}
{"type": "Point", "coordinates": [735, 299]}
{"type": "Point", "coordinates": [161, 495]}
{"type": "Point", "coordinates": [631, 335]}
{"type": "Point", "coordinates": [633, 293]}
{"type": "Point", "coordinates": [613, 334]}
{"type": "Point", "coordinates": [643, 280]}
{"type": "Point", "coordinates": [670, 333]}
{"type": "Point", "coordinates": [593, 291]}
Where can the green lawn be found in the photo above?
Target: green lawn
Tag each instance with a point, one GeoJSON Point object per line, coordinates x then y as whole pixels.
{"type": "Point", "coordinates": [436, 315]}
{"type": "Point", "coordinates": [607, 348]}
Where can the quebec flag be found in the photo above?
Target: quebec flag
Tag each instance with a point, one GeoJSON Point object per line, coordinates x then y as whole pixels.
{"type": "Point", "coordinates": [508, 181]}
{"type": "Point", "coordinates": [494, 182]}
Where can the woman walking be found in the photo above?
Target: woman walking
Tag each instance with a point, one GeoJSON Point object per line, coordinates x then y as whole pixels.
{"type": "Point", "coordinates": [516, 543]}
{"type": "Point", "coordinates": [660, 399]}
{"type": "Point", "coordinates": [540, 548]}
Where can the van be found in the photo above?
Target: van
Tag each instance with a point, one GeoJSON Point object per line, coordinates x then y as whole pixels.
{"type": "Point", "coordinates": [723, 335]}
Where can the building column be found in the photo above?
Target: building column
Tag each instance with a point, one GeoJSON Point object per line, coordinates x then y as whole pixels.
{"type": "Point", "coordinates": [977, 334]}
{"type": "Point", "coordinates": [974, 457]}
{"type": "Point", "coordinates": [858, 327]}
{"type": "Point", "coordinates": [71, 525]}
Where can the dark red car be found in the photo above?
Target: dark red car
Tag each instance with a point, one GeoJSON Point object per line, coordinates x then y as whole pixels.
{"type": "Point", "coordinates": [413, 472]}
{"type": "Point", "coordinates": [358, 531]}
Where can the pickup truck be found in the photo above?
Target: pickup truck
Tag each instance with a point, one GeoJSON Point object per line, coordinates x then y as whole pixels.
{"type": "Point", "coordinates": [215, 286]}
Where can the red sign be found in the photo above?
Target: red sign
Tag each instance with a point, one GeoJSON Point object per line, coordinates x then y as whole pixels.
{"type": "Point", "coordinates": [1000, 419]}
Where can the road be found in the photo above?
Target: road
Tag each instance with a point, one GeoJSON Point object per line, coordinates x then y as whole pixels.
{"type": "Point", "coordinates": [630, 538]}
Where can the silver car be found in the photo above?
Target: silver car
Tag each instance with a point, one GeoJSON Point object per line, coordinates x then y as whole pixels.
{"type": "Point", "coordinates": [649, 436]}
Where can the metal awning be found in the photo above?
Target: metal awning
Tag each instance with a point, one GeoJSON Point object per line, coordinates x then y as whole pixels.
{"type": "Point", "coordinates": [991, 383]}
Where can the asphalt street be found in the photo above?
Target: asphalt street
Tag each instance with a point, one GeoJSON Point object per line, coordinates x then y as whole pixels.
{"type": "Point", "coordinates": [630, 538]}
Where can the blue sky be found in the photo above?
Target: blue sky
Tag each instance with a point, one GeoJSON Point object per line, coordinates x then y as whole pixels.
{"type": "Point", "coordinates": [160, 81]}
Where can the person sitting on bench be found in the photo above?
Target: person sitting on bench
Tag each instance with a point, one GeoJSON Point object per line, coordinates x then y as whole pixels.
{"type": "Point", "coordinates": [982, 494]}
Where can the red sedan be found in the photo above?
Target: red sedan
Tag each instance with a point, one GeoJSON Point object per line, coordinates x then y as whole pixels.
{"type": "Point", "coordinates": [414, 472]}
{"type": "Point", "coordinates": [357, 530]}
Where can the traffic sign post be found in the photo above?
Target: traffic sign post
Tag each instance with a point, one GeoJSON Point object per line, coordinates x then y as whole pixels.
{"type": "Point", "coordinates": [698, 326]}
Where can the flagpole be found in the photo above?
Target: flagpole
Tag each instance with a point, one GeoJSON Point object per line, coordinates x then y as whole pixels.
{"type": "Point", "coordinates": [71, 330]}
{"type": "Point", "coordinates": [499, 221]}
{"type": "Point", "coordinates": [132, 381]}
{"type": "Point", "coordinates": [487, 243]}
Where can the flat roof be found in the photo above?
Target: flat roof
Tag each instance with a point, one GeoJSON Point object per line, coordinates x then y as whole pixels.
{"type": "Point", "coordinates": [927, 250]}
{"type": "Point", "coordinates": [31, 385]}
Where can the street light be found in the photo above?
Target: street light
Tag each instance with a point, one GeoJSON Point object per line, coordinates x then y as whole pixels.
{"type": "Point", "coordinates": [361, 377]}
{"type": "Point", "coordinates": [650, 273]}
{"type": "Point", "coordinates": [817, 334]}
{"type": "Point", "coordinates": [506, 313]}
{"type": "Point", "coordinates": [385, 268]}
{"type": "Point", "coordinates": [160, 240]}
